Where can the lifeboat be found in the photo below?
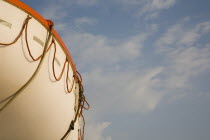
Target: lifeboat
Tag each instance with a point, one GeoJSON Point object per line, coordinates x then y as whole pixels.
{"type": "Point", "coordinates": [41, 92]}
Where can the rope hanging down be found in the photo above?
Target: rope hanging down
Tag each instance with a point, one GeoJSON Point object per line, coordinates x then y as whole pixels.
{"type": "Point", "coordinates": [80, 107]}
{"type": "Point", "coordinates": [20, 33]}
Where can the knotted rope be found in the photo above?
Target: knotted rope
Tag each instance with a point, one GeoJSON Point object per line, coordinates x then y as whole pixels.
{"type": "Point", "coordinates": [80, 107]}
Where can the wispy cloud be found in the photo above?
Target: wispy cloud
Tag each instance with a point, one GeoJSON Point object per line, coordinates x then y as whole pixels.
{"type": "Point", "coordinates": [103, 51]}
{"type": "Point", "coordinates": [54, 12]}
{"type": "Point", "coordinates": [156, 5]}
{"type": "Point", "coordinates": [125, 92]}
{"type": "Point", "coordinates": [95, 131]}
{"type": "Point", "coordinates": [187, 63]}
{"type": "Point", "coordinates": [186, 56]}
{"type": "Point", "coordinates": [180, 35]}
{"type": "Point", "coordinates": [106, 62]}
{"type": "Point", "coordinates": [148, 8]}
{"type": "Point", "coordinates": [83, 22]}
{"type": "Point", "coordinates": [59, 13]}
{"type": "Point", "coordinates": [74, 2]}
{"type": "Point", "coordinates": [86, 2]}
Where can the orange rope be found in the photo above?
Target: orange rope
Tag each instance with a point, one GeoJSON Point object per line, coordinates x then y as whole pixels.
{"type": "Point", "coordinates": [82, 105]}
{"type": "Point", "coordinates": [88, 107]}
{"type": "Point", "coordinates": [20, 33]}
{"type": "Point", "coordinates": [28, 48]}
{"type": "Point", "coordinates": [67, 78]}
{"type": "Point", "coordinates": [53, 64]}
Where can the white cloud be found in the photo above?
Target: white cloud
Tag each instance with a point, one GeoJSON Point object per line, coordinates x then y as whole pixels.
{"type": "Point", "coordinates": [180, 35]}
{"type": "Point", "coordinates": [74, 2]}
{"type": "Point", "coordinates": [86, 2]}
{"type": "Point", "coordinates": [102, 50]}
{"type": "Point", "coordinates": [149, 8]}
{"type": "Point", "coordinates": [59, 11]}
{"type": "Point", "coordinates": [54, 12]}
{"type": "Point", "coordinates": [95, 131]}
{"type": "Point", "coordinates": [85, 21]}
{"type": "Point", "coordinates": [140, 94]}
{"type": "Point", "coordinates": [186, 63]}
{"type": "Point", "coordinates": [150, 5]}
{"type": "Point", "coordinates": [158, 5]}
{"type": "Point", "coordinates": [152, 15]}
{"type": "Point", "coordinates": [123, 91]}
{"type": "Point", "coordinates": [185, 55]}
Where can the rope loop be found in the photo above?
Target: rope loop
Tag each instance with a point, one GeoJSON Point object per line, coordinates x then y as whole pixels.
{"type": "Point", "coordinates": [20, 33]}
{"type": "Point", "coordinates": [53, 64]}
{"type": "Point", "coordinates": [88, 106]}
{"type": "Point", "coordinates": [67, 78]}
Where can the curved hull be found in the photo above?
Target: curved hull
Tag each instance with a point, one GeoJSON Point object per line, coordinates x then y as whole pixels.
{"type": "Point", "coordinates": [43, 109]}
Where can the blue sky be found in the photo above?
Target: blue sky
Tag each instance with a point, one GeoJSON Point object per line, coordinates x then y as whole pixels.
{"type": "Point", "coordinates": [145, 65]}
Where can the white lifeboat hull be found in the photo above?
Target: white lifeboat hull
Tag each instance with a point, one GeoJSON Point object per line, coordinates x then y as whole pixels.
{"type": "Point", "coordinates": [44, 109]}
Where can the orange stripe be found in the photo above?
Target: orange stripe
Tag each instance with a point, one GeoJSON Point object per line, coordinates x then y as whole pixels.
{"type": "Point", "coordinates": [38, 17]}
